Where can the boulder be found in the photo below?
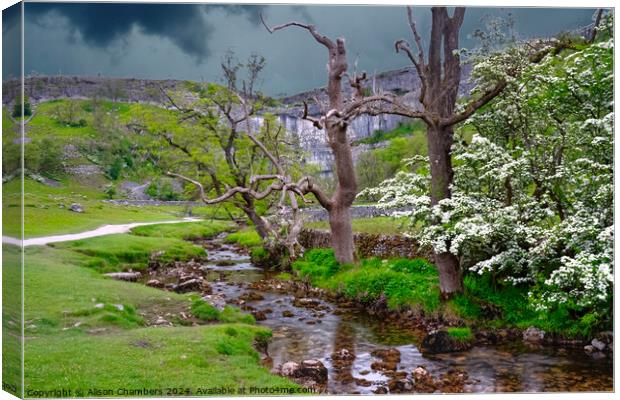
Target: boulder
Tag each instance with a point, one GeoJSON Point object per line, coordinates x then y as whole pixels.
{"type": "Point", "coordinates": [206, 288]}
{"type": "Point", "coordinates": [533, 335]}
{"type": "Point", "coordinates": [313, 370]}
{"type": "Point", "coordinates": [287, 314]}
{"type": "Point", "coordinates": [600, 346]}
{"type": "Point", "coordinates": [216, 300]}
{"type": "Point", "coordinates": [306, 302]}
{"type": "Point", "coordinates": [76, 207]}
{"type": "Point", "coordinates": [380, 390]}
{"type": "Point", "coordinates": [155, 283]}
{"type": "Point", "coordinates": [423, 380]}
{"type": "Point", "coordinates": [124, 276]}
{"type": "Point", "coordinates": [383, 366]}
{"type": "Point", "coordinates": [289, 369]}
{"type": "Point", "coordinates": [440, 341]}
{"type": "Point", "coordinates": [400, 385]}
{"type": "Point", "coordinates": [259, 315]}
{"type": "Point", "coordinates": [388, 355]}
{"type": "Point", "coordinates": [190, 285]}
{"type": "Point", "coordinates": [252, 296]}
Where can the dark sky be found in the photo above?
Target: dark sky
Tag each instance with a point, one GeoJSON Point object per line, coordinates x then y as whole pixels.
{"type": "Point", "coordinates": [188, 41]}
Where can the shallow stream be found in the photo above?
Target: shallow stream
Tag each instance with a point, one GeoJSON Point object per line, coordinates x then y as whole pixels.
{"type": "Point", "coordinates": [319, 329]}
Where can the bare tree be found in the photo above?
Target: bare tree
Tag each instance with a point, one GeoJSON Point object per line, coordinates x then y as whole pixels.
{"type": "Point", "coordinates": [340, 111]}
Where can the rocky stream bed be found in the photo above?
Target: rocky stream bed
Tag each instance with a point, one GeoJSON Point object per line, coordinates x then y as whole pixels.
{"type": "Point", "coordinates": [340, 348]}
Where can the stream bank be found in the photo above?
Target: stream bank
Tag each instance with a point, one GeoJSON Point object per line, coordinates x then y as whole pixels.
{"type": "Point", "coordinates": [366, 350]}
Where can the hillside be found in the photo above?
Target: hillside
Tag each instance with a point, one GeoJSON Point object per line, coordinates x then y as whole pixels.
{"type": "Point", "coordinates": [42, 89]}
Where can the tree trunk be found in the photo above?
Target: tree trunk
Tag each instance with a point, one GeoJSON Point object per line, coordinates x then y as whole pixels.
{"type": "Point", "coordinates": [439, 149]}
{"type": "Point", "coordinates": [346, 191]}
{"type": "Point", "coordinates": [450, 275]}
{"type": "Point", "coordinates": [439, 144]}
{"type": "Point", "coordinates": [250, 211]}
{"type": "Point", "coordinates": [342, 234]}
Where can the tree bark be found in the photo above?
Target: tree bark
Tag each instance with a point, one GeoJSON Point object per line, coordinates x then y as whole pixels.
{"type": "Point", "coordinates": [440, 142]}
{"type": "Point", "coordinates": [342, 234]}
{"type": "Point", "coordinates": [450, 274]}
{"type": "Point", "coordinates": [250, 211]}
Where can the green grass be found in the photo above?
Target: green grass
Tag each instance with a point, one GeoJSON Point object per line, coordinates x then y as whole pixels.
{"type": "Point", "coordinates": [11, 317]}
{"type": "Point", "coordinates": [400, 131]}
{"type": "Point", "coordinates": [284, 276]}
{"type": "Point", "coordinates": [206, 312]}
{"type": "Point", "coordinates": [124, 251]}
{"type": "Point", "coordinates": [44, 216]}
{"type": "Point", "coordinates": [461, 334]}
{"type": "Point", "coordinates": [61, 309]}
{"type": "Point", "coordinates": [246, 237]}
{"type": "Point", "coordinates": [158, 358]}
{"type": "Point", "coordinates": [376, 225]}
{"type": "Point", "coordinates": [404, 283]}
{"type": "Point", "coordinates": [414, 284]}
{"type": "Point", "coordinates": [186, 231]}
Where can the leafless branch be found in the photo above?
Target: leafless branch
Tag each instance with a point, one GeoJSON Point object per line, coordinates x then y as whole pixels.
{"type": "Point", "coordinates": [416, 36]}
{"type": "Point", "coordinates": [315, 121]}
{"type": "Point", "coordinates": [324, 40]}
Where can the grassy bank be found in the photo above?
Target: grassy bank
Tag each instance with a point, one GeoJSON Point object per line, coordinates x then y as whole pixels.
{"type": "Point", "coordinates": [414, 284]}
{"type": "Point", "coordinates": [133, 250]}
{"type": "Point", "coordinates": [86, 331]}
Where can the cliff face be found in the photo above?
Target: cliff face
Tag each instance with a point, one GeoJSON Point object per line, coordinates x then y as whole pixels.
{"type": "Point", "coordinates": [44, 88]}
{"type": "Point", "coordinates": [403, 82]}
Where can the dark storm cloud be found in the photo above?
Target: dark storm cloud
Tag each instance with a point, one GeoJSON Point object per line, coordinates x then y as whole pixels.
{"type": "Point", "coordinates": [188, 41]}
{"type": "Point", "coordinates": [11, 41]}
{"type": "Point", "coordinates": [101, 24]}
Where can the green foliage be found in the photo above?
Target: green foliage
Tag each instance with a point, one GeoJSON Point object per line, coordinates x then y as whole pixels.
{"type": "Point", "coordinates": [258, 252]}
{"type": "Point", "coordinates": [161, 189]}
{"type": "Point", "coordinates": [17, 107]}
{"type": "Point", "coordinates": [461, 334]}
{"type": "Point", "coordinates": [231, 346]}
{"type": "Point", "coordinates": [44, 156]}
{"type": "Point", "coordinates": [373, 166]}
{"type": "Point", "coordinates": [401, 130]}
{"type": "Point", "coordinates": [246, 237]}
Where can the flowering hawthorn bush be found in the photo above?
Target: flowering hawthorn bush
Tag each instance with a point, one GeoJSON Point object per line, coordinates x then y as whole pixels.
{"type": "Point", "coordinates": [532, 199]}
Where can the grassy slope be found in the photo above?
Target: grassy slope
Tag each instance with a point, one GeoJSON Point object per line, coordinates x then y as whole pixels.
{"type": "Point", "coordinates": [44, 216]}
{"type": "Point", "coordinates": [60, 352]}
{"type": "Point", "coordinates": [11, 317]}
{"type": "Point", "coordinates": [133, 250]}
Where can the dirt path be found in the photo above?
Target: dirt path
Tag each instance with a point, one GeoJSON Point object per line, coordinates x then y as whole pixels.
{"type": "Point", "coordinates": [101, 231]}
